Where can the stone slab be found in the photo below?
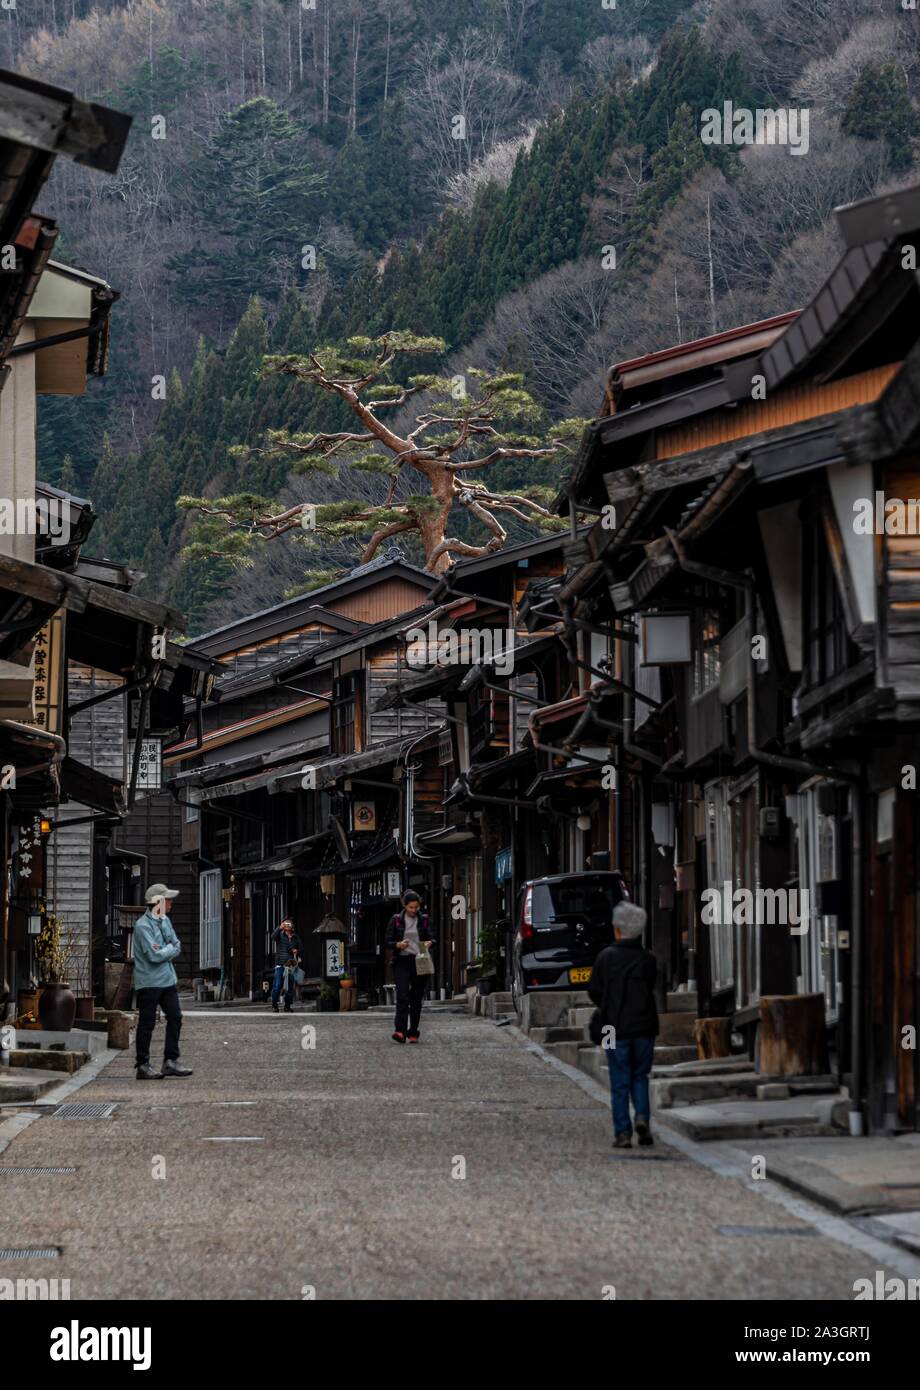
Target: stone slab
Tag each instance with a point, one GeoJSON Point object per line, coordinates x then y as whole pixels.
{"type": "Point", "coordinates": [755, 1119]}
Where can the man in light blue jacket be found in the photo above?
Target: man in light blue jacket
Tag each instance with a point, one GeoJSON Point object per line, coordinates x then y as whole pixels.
{"type": "Point", "coordinates": [155, 948]}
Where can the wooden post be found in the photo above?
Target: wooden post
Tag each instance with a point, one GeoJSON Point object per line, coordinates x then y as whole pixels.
{"type": "Point", "coordinates": [793, 1036]}
{"type": "Point", "coordinates": [713, 1037]}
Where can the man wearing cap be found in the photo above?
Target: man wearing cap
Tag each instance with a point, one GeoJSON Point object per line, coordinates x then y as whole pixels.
{"type": "Point", "coordinates": [155, 948]}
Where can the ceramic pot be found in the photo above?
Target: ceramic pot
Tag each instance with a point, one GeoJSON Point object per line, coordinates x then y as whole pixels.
{"type": "Point", "coordinates": [57, 1006]}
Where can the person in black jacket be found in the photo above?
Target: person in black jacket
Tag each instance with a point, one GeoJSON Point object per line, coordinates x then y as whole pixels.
{"type": "Point", "coordinates": [405, 934]}
{"type": "Point", "coordinates": [622, 986]}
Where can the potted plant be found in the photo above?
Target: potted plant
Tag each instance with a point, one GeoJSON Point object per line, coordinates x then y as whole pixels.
{"type": "Point", "coordinates": [328, 998]}
{"type": "Point", "coordinates": [57, 1003]}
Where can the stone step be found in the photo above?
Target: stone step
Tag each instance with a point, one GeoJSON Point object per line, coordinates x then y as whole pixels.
{"type": "Point", "coordinates": [675, 1028]}
{"type": "Point", "coordinates": [567, 1052]}
{"type": "Point", "coordinates": [559, 1033]}
{"type": "Point", "coordinates": [549, 1008]}
{"type": "Point", "coordinates": [16, 1086]}
{"type": "Point", "coordinates": [580, 1017]}
{"type": "Point", "coordinates": [675, 1091]}
{"type": "Point", "coordinates": [668, 1056]}
{"type": "Point", "coordinates": [77, 1040]}
{"type": "Point", "coordinates": [592, 1061]}
{"type": "Point", "coordinates": [682, 1001]}
{"type": "Point", "coordinates": [42, 1059]}
{"type": "Point", "coordinates": [680, 1087]}
{"type": "Point", "coordinates": [709, 1066]}
{"type": "Point", "coordinates": [800, 1117]}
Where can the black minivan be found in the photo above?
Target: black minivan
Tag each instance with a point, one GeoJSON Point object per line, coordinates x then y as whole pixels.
{"type": "Point", "coordinates": [563, 922]}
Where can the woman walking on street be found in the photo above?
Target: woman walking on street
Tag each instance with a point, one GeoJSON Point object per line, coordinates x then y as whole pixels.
{"type": "Point", "coordinates": [407, 934]}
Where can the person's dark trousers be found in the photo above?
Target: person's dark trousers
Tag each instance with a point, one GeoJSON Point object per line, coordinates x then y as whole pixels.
{"type": "Point", "coordinates": [147, 1001]}
{"type": "Point", "coordinates": [629, 1064]}
{"type": "Point", "coordinates": [410, 987]}
{"type": "Point", "coordinates": [277, 984]}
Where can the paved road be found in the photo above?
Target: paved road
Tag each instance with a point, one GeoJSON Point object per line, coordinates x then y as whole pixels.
{"type": "Point", "coordinates": [333, 1168]}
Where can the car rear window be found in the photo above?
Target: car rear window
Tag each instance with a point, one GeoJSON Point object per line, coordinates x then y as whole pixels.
{"type": "Point", "coordinates": [592, 898]}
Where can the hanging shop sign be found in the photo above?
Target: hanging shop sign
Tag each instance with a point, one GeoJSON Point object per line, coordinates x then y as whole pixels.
{"type": "Point", "coordinates": [503, 865]}
{"type": "Point", "coordinates": [335, 956]}
{"type": "Point", "coordinates": [364, 815]}
{"type": "Point", "coordinates": [394, 883]}
{"type": "Point", "coordinates": [48, 691]}
{"type": "Point", "coordinates": [150, 767]}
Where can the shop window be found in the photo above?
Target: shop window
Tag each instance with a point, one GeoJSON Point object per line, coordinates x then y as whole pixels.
{"type": "Point", "coordinates": [828, 649]}
{"type": "Point", "coordinates": [345, 713]}
{"type": "Point", "coordinates": [706, 650]}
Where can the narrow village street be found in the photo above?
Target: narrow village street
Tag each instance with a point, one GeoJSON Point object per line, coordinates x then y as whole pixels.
{"type": "Point", "coordinates": [285, 1168]}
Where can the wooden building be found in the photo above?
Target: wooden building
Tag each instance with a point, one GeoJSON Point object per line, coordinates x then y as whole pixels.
{"type": "Point", "coordinates": [755, 558]}
{"type": "Point", "coordinates": [256, 841]}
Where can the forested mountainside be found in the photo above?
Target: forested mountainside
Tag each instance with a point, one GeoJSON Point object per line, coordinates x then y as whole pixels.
{"type": "Point", "coordinates": [292, 179]}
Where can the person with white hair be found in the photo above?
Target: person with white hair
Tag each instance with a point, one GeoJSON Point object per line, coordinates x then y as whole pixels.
{"type": "Point", "coordinates": [622, 986]}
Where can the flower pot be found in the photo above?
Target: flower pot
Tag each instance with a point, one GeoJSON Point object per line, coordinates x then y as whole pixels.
{"type": "Point", "coordinates": [484, 984]}
{"type": "Point", "coordinates": [86, 1008]}
{"type": "Point", "coordinates": [57, 1006]}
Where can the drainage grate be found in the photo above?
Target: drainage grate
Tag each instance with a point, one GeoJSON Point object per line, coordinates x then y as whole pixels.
{"type": "Point", "coordinates": [85, 1110]}
{"type": "Point", "coordinates": [40, 1252]}
{"type": "Point", "coordinates": [767, 1231]}
{"type": "Point", "coordinates": [43, 1171]}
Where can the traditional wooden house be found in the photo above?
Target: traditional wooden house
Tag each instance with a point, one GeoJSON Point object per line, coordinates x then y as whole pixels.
{"type": "Point", "coordinates": [53, 334]}
{"type": "Point", "coordinates": [489, 656]}
{"type": "Point", "coordinates": [253, 837]}
{"type": "Point", "coordinates": [755, 557]}
{"type": "Point", "coordinates": [378, 787]}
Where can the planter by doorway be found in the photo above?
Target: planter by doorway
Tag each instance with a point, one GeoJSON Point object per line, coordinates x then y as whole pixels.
{"type": "Point", "coordinates": [484, 984]}
{"type": "Point", "coordinates": [57, 1006]}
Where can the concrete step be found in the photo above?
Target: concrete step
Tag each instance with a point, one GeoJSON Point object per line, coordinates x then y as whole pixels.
{"type": "Point", "coordinates": [567, 1052]}
{"type": "Point", "coordinates": [800, 1117]}
{"type": "Point", "coordinates": [675, 1029]}
{"type": "Point", "coordinates": [693, 1084]}
{"type": "Point", "coordinates": [710, 1066]}
{"type": "Point", "coordinates": [783, 1087]}
{"type": "Point", "coordinates": [593, 1063]}
{"type": "Point", "coordinates": [77, 1040]}
{"type": "Point", "coordinates": [580, 1017]}
{"type": "Point", "coordinates": [550, 1008]}
{"type": "Point", "coordinates": [16, 1084]}
{"type": "Point", "coordinates": [41, 1059]}
{"type": "Point", "coordinates": [673, 1091]}
{"type": "Point", "coordinates": [682, 1001]}
{"type": "Point", "coordinates": [559, 1033]}
{"type": "Point", "coordinates": [668, 1056]}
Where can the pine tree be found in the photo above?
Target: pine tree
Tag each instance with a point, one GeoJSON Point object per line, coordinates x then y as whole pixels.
{"type": "Point", "coordinates": [880, 108]}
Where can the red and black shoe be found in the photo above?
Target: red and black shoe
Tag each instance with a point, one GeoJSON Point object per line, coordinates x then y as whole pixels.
{"type": "Point", "coordinates": [413, 1037]}
{"type": "Point", "coordinates": [399, 1037]}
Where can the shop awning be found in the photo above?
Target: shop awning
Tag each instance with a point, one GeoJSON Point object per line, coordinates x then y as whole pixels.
{"type": "Point", "coordinates": [91, 788]}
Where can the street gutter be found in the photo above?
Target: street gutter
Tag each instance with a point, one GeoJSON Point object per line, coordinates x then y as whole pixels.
{"type": "Point", "coordinates": [727, 1161]}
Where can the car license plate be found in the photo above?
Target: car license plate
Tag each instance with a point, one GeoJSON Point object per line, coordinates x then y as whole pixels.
{"type": "Point", "coordinates": [580, 976]}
